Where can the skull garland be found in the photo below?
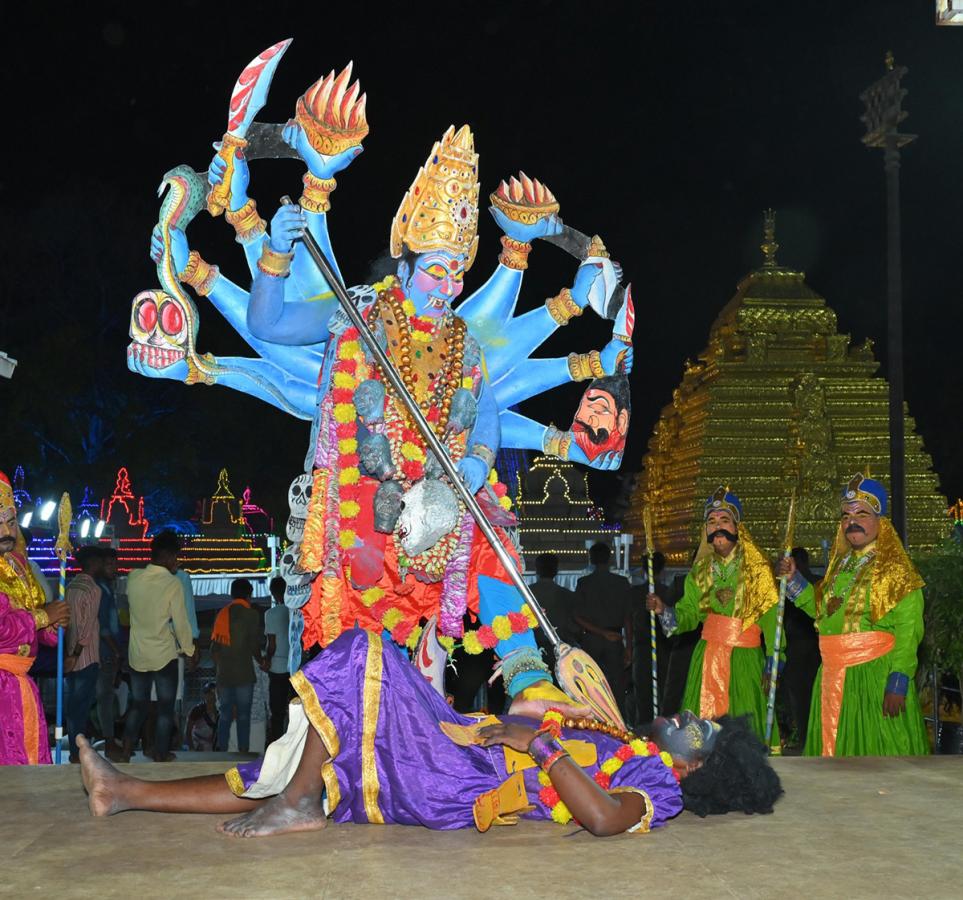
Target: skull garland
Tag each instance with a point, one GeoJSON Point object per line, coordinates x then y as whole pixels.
{"type": "Point", "coordinates": [299, 495]}
{"type": "Point", "coordinates": [429, 511]}
{"type": "Point", "coordinates": [298, 583]}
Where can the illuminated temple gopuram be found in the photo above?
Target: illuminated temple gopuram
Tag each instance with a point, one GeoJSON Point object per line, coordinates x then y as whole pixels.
{"type": "Point", "coordinates": [778, 398]}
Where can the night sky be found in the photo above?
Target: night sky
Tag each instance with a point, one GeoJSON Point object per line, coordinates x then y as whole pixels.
{"type": "Point", "coordinates": [663, 128]}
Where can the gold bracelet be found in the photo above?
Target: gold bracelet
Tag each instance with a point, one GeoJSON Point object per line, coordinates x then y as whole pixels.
{"type": "Point", "coordinates": [248, 225]}
{"type": "Point", "coordinates": [41, 619]}
{"type": "Point", "coordinates": [595, 364]}
{"type": "Point", "coordinates": [556, 443]}
{"type": "Point", "coordinates": [562, 307]}
{"type": "Point", "coordinates": [199, 274]}
{"type": "Point", "coordinates": [278, 265]}
{"type": "Point", "coordinates": [579, 366]}
{"type": "Point", "coordinates": [316, 197]}
{"type": "Point", "coordinates": [514, 253]}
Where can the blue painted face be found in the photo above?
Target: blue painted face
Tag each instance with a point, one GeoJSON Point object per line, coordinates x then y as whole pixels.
{"type": "Point", "coordinates": [436, 281]}
{"type": "Point", "coordinates": [688, 738]}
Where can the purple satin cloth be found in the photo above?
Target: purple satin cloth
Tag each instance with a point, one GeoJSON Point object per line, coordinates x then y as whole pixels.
{"type": "Point", "coordinates": [422, 776]}
{"type": "Point", "coordinates": [17, 627]}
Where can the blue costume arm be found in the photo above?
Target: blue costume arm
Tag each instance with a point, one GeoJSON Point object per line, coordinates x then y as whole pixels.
{"type": "Point", "coordinates": [297, 323]}
{"type": "Point", "coordinates": [493, 304]}
{"type": "Point", "coordinates": [474, 468]}
{"type": "Point", "coordinates": [531, 377]}
{"type": "Point", "coordinates": [305, 275]}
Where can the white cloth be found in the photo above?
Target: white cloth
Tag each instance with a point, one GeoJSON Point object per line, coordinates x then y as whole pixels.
{"type": "Point", "coordinates": [276, 622]}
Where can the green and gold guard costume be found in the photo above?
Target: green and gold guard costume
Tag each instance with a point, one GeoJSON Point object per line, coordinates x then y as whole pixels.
{"type": "Point", "coordinates": [735, 601]}
{"type": "Point", "coordinates": [869, 614]}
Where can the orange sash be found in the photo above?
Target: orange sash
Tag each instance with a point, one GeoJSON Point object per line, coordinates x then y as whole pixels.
{"type": "Point", "coordinates": [19, 666]}
{"type": "Point", "coordinates": [721, 634]}
{"type": "Point", "coordinates": [839, 652]}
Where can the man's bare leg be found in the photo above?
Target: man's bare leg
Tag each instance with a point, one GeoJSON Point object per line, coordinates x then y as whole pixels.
{"type": "Point", "coordinates": [297, 808]}
{"type": "Point", "coordinates": [110, 791]}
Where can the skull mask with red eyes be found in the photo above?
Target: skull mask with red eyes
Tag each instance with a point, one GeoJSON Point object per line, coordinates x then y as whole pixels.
{"type": "Point", "coordinates": [163, 329]}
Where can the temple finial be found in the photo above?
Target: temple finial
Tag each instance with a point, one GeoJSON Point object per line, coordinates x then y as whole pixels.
{"type": "Point", "coordinates": [769, 245]}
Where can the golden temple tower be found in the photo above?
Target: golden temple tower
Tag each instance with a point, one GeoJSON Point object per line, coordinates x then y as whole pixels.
{"type": "Point", "coordinates": [777, 399]}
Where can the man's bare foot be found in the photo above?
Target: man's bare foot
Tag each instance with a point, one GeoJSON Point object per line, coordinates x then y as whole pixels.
{"type": "Point", "coordinates": [101, 781]}
{"type": "Point", "coordinates": [279, 815]}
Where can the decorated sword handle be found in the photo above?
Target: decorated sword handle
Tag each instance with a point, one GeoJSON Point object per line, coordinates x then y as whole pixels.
{"type": "Point", "coordinates": [219, 198]}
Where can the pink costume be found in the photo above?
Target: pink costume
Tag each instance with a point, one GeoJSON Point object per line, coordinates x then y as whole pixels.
{"type": "Point", "coordinates": [23, 727]}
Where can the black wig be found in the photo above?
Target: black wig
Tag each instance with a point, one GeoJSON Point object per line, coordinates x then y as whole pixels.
{"type": "Point", "coordinates": [735, 777]}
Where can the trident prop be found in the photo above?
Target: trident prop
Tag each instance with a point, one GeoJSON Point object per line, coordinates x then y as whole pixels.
{"type": "Point", "coordinates": [780, 610]}
{"type": "Point", "coordinates": [577, 673]}
{"type": "Point", "coordinates": [63, 550]}
{"type": "Point", "coordinates": [650, 551]}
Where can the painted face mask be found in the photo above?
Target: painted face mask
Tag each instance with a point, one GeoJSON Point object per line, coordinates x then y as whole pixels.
{"type": "Point", "coordinates": [687, 737]}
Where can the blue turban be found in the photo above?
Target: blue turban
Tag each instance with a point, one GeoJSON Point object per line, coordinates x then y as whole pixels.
{"type": "Point", "coordinates": [723, 499]}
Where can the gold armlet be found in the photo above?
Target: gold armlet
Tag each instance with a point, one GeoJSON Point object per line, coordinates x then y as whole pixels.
{"type": "Point", "coordinates": [316, 197]}
{"type": "Point", "coordinates": [595, 364]}
{"type": "Point", "coordinates": [562, 307]}
{"type": "Point", "coordinates": [274, 263]}
{"type": "Point", "coordinates": [579, 367]}
{"type": "Point", "coordinates": [199, 274]}
{"type": "Point", "coordinates": [556, 443]}
{"type": "Point", "coordinates": [514, 253]}
{"type": "Point", "coordinates": [248, 225]}
{"type": "Point", "coordinates": [40, 618]}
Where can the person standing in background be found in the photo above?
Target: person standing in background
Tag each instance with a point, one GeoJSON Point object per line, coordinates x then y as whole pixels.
{"type": "Point", "coordinates": [235, 645]}
{"type": "Point", "coordinates": [111, 656]}
{"type": "Point", "coordinates": [82, 643]}
{"type": "Point", "coordinates": [156, 601]}
{"type": "Point", "coordinates": [277, 620]}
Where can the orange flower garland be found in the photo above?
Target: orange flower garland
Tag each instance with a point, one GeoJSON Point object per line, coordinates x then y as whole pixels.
{"type": "Point", "coordinates": [553, 722]}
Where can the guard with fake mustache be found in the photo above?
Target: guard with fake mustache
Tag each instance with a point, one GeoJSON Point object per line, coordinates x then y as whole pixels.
{"type": "Point", "coordinates": [731, 592]}
{"type": "Point", "coordinates": [869, 614]}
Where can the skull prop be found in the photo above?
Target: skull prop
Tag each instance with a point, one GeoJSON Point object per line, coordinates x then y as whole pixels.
{"type": "Point", "coordinates": [464, 410]}
{"type": "Point", "coordinates": [375, 455]}
{"type": "Point", "coordinates": [429, 511]}
{"type": "Point", "coordinates": [369, 401]}
{"type": "Point", "coordinates": [387, 506]}
{"type": "Point", "coordinates": [163, 329]}
{"type": "Point", "coordinates": [299, 495]}
{"type": "Point", "coordinates": [298, 583]}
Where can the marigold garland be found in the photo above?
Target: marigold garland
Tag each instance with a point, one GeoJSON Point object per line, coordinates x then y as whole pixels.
{"type": "Point", "coordinates": [552, 722]}
{"type": "Point", "coordinates": [501, 629]}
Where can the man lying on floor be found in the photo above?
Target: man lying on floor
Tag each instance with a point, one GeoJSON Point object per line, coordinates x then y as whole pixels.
{"type": "Point", "coordinates": [373, 742]}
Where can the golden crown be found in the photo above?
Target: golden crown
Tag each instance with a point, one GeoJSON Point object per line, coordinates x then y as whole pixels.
{"type": "Point", "coordinates": [332, 114]}
{"type": "Point", "coordinates": [440, 210]}
{"type": "Point", "coordinates": [6, 492]}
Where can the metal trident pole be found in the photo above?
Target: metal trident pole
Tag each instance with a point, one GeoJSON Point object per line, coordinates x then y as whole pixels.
{"type": "Point", "coordinates": [429, 435]}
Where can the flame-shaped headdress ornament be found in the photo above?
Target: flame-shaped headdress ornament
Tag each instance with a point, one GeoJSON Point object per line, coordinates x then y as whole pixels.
{"type": "Point", "coordinates": [440, 210]}
{"type": "Point", "coordinates": [332, 113]}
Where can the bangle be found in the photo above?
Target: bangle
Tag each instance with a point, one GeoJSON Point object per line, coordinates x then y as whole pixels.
{"type": "Point", "coordinates": [485, 454]}
{"type": "Point", "coordinates": [278, 265]}
{"type": "Point", "coordinates": [514, 253]}
{"type": "Point", "coordinates": [580, 366]}
{"type": "Point", "coordinates": [248, 225]}
{"type": "Point", "coordinates": [41, 618]}
{"type": "Point", "coordinates": [545, 750]}
{"type": "Point", "coordinates": [316, 196]}
{"type": "Point", "coordinates": [595, 364]}
{"type": "Point", "coordinates": [562, 307]}
{"type": "Point", "coordinates": [556, 443]}
{"type": "Point", "coordinates": [199, 274]}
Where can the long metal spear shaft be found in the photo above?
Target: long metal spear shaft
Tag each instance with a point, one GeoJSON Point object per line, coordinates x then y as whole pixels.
{"type": "Point", "coordinates": [317, 254]}
{"type": "Point", "coordinates": [780, 611]}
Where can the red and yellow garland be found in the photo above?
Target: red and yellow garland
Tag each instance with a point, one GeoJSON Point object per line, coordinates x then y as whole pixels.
{"type": "Point", "coordinates": [552, 722]}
